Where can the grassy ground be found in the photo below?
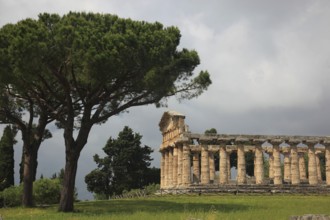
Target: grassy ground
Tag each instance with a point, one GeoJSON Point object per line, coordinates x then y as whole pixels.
{"type": "Point", "coordinates": [184, 208]}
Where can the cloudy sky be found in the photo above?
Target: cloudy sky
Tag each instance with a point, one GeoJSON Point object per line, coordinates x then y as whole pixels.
{"type": "Point", "coordinates": [269, 62]}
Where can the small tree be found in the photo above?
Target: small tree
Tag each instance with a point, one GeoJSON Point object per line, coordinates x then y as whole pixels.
{"type": "Point", "coordinates": [7, 158]}
{"type": "Point", "coordinates": [125, 167]}
{"type": "Point", "coordinates": [211, 131]}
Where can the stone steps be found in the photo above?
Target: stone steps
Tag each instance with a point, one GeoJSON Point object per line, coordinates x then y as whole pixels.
{"type": "Point", "coordinates": [250, 189]}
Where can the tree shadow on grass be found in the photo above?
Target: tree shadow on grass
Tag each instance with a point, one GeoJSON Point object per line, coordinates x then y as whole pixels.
{"type": "Point", "coordinates": [154, 206]}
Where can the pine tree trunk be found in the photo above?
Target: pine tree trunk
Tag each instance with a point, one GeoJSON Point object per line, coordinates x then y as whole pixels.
{"type": "Point", "coordinates": [30, 166]}
{"type": "Point", "coordinates": [67, 193]}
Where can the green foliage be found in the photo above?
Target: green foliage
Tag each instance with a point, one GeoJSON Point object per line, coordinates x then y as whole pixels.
{"type": "Point", "coordinates": [47, 191]}
{"type": "Point", "coordinates": [7, 157]}
{"type": "Point", "coordinates": [152, 175]}
{"type": "Point", "coordinates": [124, 62]}
{"type": "Point", "coordinates": [59, 175]}
{"type": "Point", "coordinates": [98, 181]}
{"type": "Point", "coordinates": [100, 196]}
{"type": "Point", "coordinates": [151, 188]}
{"type": "Point", "coordinates": [322, 165]}
{"type": "Point", "coordinates": [146, 191]}
{"type": "Point", "coordinates": [125, 167]}
{"type": "Point", "coordinates": [12, 196]}
{"type": "Point", "coordinates": [233, 160]}
{"type": "Point", "coordinates": [249, 161]}
{"type": "Point", "coordinates": [211, 131]}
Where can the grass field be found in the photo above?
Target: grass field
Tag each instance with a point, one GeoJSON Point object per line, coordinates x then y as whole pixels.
{"type": "Point", "coordinates": [184, 208]}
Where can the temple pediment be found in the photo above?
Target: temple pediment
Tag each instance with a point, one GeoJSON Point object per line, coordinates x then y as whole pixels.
{"type": "Point", "coordinates": [170, 121]}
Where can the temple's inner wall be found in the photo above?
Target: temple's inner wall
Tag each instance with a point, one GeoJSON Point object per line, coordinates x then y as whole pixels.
{"type": "Point", "coordinates": [190, 159]}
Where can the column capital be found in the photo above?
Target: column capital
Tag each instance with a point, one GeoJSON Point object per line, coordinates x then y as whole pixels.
{"type": "Point", "coordinates": [258, 142]}
{"type": "Point", "coordinates": [286, 150]}
{"type": "Point", "coordinates": [317, 152]}
{"type": "Point", "coordinates": [293, 142]}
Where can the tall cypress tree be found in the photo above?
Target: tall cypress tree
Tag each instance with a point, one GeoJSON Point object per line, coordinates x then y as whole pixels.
{"type": "Point", "coordinates": [7, 158]}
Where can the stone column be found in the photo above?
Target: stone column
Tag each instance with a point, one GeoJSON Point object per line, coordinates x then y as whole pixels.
{"type": "Point", "coordinates": [196, 167]}
{"type": "Point", "coordinates": [271, 165]}
{"type": "Point", "coordinates": [312, 172]}
{"type": "Point", "coordinates": [254, 164]}
{"type": "Point", "coordinates": [295, 177]}
{"type": "Point", "coordinates": [318, 168]}
{"type": "Point", "coordinates": [277, 162]}
{"type": "Point", "coordinates": [211, 166]}
{"type": "Point", "coordinates": [241, 166]}
{"type": "Point", "coordinates": [259, 165]}
{"type": "Point", "coordinates": [205, 171]}
{"type": "Point", "coordinates": [228, 166]}
{"type": "Point", "coordinates": [327, 163]}
{"type": "Point", "coordinates": [186, 166]}
{"type": "Point", "coordinates": [175, 166]}
{"type": "Point", "coordinates": [170, 167]}
{"type": "Point", "coordinates": [223, 169]}
{"type": "Point", "coordinates": [162, 170]}
{"type": "Point", "coordinates": [166, 182]}
{"type": "Point", "coordinates": [302, 166]}
{"type": "Point", "coordinates": [180, 165]}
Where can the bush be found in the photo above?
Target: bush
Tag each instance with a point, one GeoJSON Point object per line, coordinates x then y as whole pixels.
{"type": "Point", "coordinates": [147, 190]}
{"type": "Point", "coordinates": [47, 191]}
{"type": "Point", "coordinates": [152, 188]}
{"type": "Point", "coordinates": [12, 196]}
{"type": "Point", "coordinates": [98, 196]}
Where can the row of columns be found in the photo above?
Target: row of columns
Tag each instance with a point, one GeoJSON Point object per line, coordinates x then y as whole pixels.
{"type": "Point", "coordinates": [176, 166]}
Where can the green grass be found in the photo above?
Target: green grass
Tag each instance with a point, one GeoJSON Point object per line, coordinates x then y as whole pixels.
{"type": "Point", "coordinates": [184, 208]}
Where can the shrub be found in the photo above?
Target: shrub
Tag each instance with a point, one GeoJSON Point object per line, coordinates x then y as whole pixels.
{"type": "Point", "coordinates": [47, 191]}
{"type": "Point", "coordinates": [98, 196]}
{"type": "Point", "coordinates": [12, 196]}
{"type": "Point", "coordinates": [152, 188]}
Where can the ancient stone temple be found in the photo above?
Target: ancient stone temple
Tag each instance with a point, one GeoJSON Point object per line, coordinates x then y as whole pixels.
{"type": "Point", "coordinates": [188, 159]}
